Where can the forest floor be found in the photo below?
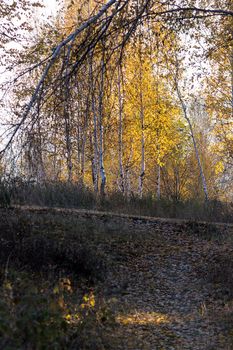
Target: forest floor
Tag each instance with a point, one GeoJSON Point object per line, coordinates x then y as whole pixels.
{"type": "Point", "coordinates": [167, 284]}
{"type": "Point", "coordinates": [167, 299]}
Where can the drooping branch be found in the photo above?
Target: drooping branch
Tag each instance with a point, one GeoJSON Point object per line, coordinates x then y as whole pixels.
{"type": "Point", "coordinates": [196, 10]}
{"type": "Point", "coordinates": [55, 55]}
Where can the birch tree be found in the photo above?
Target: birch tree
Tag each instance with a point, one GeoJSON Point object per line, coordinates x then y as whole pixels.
{"type": "Point", "coordinates": [186, 116]}
{"type": "Point", "coordinates": [120, 127]}
{"type": "Point", "coordinates": [79, 69]}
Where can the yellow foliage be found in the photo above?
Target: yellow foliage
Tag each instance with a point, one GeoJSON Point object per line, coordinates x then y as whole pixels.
{"type": "Point", "coordinates": [89, 301]}
{"type": "Point", "coordinates": [219, 167]}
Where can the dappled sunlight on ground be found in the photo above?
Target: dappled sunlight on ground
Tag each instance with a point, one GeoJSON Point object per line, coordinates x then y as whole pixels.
{"type": "Point", "coordinates": [143, 318]}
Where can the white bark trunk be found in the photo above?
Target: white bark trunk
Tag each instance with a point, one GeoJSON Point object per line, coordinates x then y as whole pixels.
{"type": "Point", "coordinates": [127, 182]}
{"type": "Point", "coordinates": [120, 133]}
{"type": "Point", "coordinates": [41, 174]}
{"type": "Point", "coordinates": [95, 164]}
{"type": "Point", "coordinates": [184, 108]}
{"type": "Point", "coordinates": [95, 136]}
{"type": "Point", "coordinates": [85, 131]}
{"type": "Point", "coordinates": [159, 183]}
{"type": "Point", "coordinates": [102, 170]}
{"type": "Point", "coordinates": [101, 131]}
{"type": "Point", "coordinates": [68, 151]}
{"type": "Point", "coordinates": [127, 174]}
{"type": "Point", "coordinates": [232, 82]}
{"type": "Point", "coordinates": [142, 172]}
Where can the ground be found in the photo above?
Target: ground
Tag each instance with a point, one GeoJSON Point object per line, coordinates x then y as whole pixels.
{"type": "Point", "coordinates": [166, 285]}
{"type": "Point", "coordinates": [165, 301]}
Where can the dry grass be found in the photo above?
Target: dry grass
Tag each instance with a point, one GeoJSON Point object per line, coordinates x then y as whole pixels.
{"type": "Point", "coordinates": [74, 196]}
{"type": "Point", "coordinates": [53, 266]}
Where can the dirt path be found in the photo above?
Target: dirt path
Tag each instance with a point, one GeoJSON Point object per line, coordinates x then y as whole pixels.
{"type": "Point", "coordinates": [160, 298]}
{"type": "Point", "coordinates": [156, 284]}
{"type": "Point", "coordinates": [84, 213]}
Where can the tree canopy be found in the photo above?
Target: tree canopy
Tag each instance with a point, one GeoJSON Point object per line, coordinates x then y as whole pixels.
{"type": "Point", "coordinates": [98, 95]}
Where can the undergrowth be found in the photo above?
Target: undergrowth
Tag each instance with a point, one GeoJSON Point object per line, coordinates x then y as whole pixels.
{"type": "Point", "coordinates": [51, 267]}
{"type": "Point", "coordinates": [75, 196]}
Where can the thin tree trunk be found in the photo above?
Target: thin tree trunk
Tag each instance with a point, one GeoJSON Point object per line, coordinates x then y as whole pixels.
{"type": "Point", "coordinates": [142, 171]}
{"type": "Point", "coordinates": [39, 159]}
{"type": "Point", "coordinates": [120, 132]}
{"type": "Point", "coordinates": [66, 113]}
{"type": "Point", "coordinates": [102, 170]}
{"type": "Point", "coordinates": [95, 136]}
{"type": "Point", "coordinates": [85, 131]}
{"type": "Point", "coordinates": [231, 82]}
{"type": "Point", "coordinates": [68, 147]}
{"type": "Point", "coordinates": [159, 183]}
{"type": "Point", "coordinates": [83, 158]}
{"type": "Point", "coordinates": [127, 174]}
{"type": "Point", "coordinates": [93, 172]}
{"type": "Point", "coordinates": [79, 139]}
{"type": "Point", "coordinates": [184, 108]}
{"type": "Point", "coordinates": [101, 130]}
{"type": "Point", "coordinates": [127, 182]}
{"type": "Point", "coordinates": [157, 133]}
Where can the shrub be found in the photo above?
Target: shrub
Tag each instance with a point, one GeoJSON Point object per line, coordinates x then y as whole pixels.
{"type": "Point", "coordinates": [74, 195]}
{"type": "Point", "coordinates": [35, 314]}
{"type": "Point", "coordinates": [5, 196]}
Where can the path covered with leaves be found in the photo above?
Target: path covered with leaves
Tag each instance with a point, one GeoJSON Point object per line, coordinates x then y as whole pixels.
{"type": "Point", "coordinates": [100, 281]}
{"type": "Point", "coordinates": [164, 294]}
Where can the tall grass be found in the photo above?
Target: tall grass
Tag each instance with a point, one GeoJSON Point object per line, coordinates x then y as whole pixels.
{"type": "Point", "coordinates": [69, 195]}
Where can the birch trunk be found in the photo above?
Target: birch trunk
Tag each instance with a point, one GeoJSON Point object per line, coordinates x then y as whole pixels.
{"type": "Point", "coordinates": [79, 136]}
{"type": "Point", "coordinates": [120, 133]}
{"type": "Point", "coordinates": [41, 174]}
{"type": "Point", "coordinates": [95, 136]}
{"type": "Point", "coordinates": [142, 172]}
{"type": "Point", "coordinates": [184, 108]}
{"type": "Point", "coordinates": [79, 132]}
{"type": "Point", "coordinates": [127, 182]}
{"type": "Point", "coordinates": [66, 113]}
{"type": "Point", "coordinates": [95, 159]}
{"type": "Point", "coordinates": [102, 170]}
{"type": "Point", "coordinates": [83, 158]}
{"type": "Point", "coordinates": [157, 103]}
{"type": "Point", "coordinates": [85, 132]}
{"type": "Point", "coordinates": [127, 174]}
{"type": "Point", "coordinates": [68, 147]}
{"type": "Point", "coordinates": [232, 83]}
{"type": "Point", "coordinates": [101, 130]}
{"type": "Point", "coordinates": [159, 183]}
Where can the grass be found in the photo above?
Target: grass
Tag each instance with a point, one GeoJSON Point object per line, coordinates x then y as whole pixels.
{"type": "Point", "coordinates": [74, 196]}
{"type": "Point", "coordinates": [50, 270]}
{"type": "Point", "coordinates": [53, 268]}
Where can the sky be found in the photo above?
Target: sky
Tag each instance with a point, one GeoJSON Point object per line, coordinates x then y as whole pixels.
{"type": "Point", "coordinates": [51, 6]}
